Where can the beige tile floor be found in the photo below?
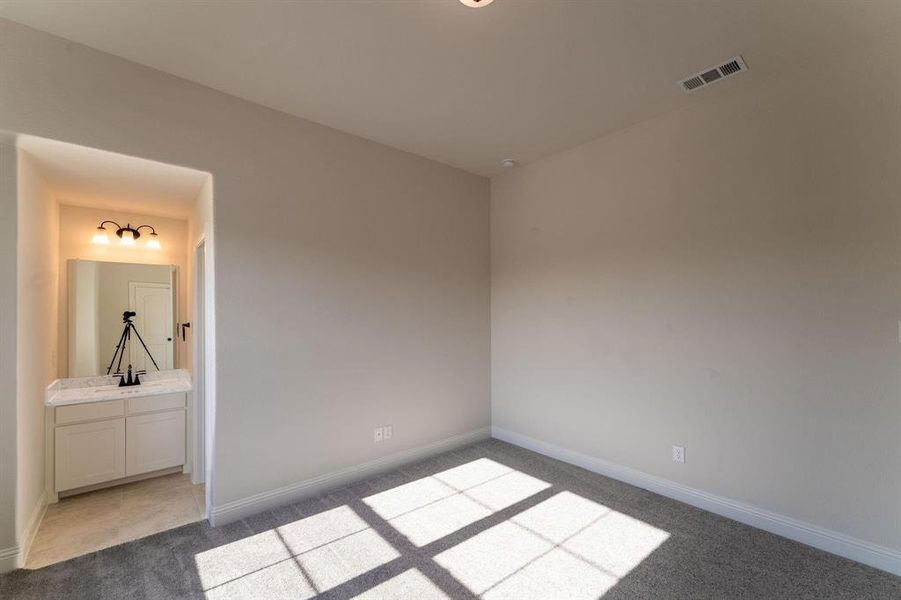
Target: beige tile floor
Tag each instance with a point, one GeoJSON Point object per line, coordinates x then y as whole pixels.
{"type": "Point", "coordinates": [89, 522]}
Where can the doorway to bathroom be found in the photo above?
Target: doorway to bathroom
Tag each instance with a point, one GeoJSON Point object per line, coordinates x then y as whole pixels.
{"type": "Point", "coordinates": [120, 433]}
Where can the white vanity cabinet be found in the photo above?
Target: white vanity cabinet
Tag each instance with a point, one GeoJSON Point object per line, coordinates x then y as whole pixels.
{"type": "Point", "coordinates": [89, 453]}
{"type": "Point", "coordinates": [154, 441]}
{"type": "Point", "coordinates": [97, 442]}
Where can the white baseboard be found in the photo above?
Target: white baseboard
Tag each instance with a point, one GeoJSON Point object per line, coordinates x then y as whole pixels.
{"type": "Point", "coordinates": [874, 555]}
{"type": "Point", "coordinates": [31, 528]}
{"type": "Point", "coordinates": [238, 509]}
{"type": "Point", "coordinates": [9, 559]}
{"type": "Point", "coordinates": [14, 557]}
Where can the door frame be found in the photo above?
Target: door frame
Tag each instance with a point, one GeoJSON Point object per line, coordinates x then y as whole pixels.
{"type": "Point", "coordinates": [199, 401]}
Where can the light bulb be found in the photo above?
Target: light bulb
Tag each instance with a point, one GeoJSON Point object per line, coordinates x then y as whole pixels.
{"type": "Point", "coordinates": [128, 238]}
{"type": "Point", "coordinates": [154, 242]}
{"type": "Point", "coordinates": [476, 3]}
{"type": "Point", "coordinates": [100, 237]}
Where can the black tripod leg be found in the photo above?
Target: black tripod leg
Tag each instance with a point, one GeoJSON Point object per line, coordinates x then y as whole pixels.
{"type": "Point", "coordinates": [127, 335]}
{"type": "Point", "coordinates": [119, 347]}
{"type": "Point", "coordinates": [149, 355]}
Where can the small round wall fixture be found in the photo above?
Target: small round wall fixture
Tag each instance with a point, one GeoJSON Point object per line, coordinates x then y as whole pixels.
{"type": "Point", "coordinates": [128, 235]}
{"type": "Point", "coordinates": [476, 3]}
{"type": "Point", "coordinates": [508, 163]}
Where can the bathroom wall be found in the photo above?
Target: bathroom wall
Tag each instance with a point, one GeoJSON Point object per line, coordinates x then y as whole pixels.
{"type": "Point", "coordinates": [76, 228]}
{"type": "Point", "coordinates": [84, 327]}
{"type": "Point", "coordinates": [36, 336]}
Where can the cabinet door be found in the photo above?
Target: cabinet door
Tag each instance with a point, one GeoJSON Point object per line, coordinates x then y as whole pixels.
{"type": "Point", "coordinates": [89, 453]}
{"type": "Point", "coordinates": [155, 441]}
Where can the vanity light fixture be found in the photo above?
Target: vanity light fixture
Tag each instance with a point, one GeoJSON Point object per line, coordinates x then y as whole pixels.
{"type": "Point", "coordinates": [476, 3]}
{"type": "Point", "coordinates": [128, 235]}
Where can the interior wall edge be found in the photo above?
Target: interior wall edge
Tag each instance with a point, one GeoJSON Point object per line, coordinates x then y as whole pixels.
{"type": "Point", "coordinates": [244, 507]}
{"type": "Point", "coordinates": [834, 542]}
{"type": "Point", "coordinates": [9, 234]}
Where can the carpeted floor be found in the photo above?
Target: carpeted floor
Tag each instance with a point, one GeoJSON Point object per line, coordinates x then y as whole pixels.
{"type": "Point", "coordinates": [490, 520]}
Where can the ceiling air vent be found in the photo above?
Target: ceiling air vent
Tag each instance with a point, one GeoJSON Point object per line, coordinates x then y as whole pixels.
{"type": "Point", "coordinates": [708, 76]}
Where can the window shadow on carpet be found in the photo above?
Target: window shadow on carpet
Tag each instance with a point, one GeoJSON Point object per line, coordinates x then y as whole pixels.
{"type": "Point", "coordinates": [478, 529]}
{"type": "Point", "coordinates": [490, 520]}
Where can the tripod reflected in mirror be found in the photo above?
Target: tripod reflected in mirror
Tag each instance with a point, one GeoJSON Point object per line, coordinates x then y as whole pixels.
{"type": "Point", "coordinates": [130, 377]}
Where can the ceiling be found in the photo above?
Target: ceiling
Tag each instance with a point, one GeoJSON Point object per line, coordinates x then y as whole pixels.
{"type": "Point", "coordinates": [467, 87]}
{"type": "Point", "coordinates": [93, 178]}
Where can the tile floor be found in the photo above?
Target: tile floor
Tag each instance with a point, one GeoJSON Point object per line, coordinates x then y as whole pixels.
{"type": "Point", "coordinates": [89, 522]}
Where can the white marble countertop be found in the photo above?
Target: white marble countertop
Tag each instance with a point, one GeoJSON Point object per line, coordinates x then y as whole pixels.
{"type": "Point", "coordinates": [80, 390]}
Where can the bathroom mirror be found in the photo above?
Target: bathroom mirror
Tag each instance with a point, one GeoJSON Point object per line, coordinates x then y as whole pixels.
{"type": "Point", "coordinates": [98, 294]}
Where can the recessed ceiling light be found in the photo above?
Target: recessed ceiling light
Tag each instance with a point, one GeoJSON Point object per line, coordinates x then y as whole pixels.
{"type": "Point", "coordinates": [508, 162]}
{"type": "Point", "coordinates": [476, 3]}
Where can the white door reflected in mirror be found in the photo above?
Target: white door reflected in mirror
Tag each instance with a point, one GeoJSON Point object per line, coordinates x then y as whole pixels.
{"type": "Point", "coordinates": [153, 304]}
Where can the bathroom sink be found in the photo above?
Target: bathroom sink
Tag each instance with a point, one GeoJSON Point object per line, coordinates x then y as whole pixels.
{"type": "Point", "coordinates": [174, 381]}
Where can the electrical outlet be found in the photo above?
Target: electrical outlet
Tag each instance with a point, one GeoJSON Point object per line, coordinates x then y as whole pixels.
{"type": "Point", "coordinates": [388, 431]}
{"type": "Point", "coordinates": [679, 454]}
{"type": "Point", "coordinates": [378, 434]}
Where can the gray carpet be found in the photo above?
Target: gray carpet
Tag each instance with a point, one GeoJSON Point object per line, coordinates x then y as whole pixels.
{"type": "Point", "coordinates": [490, 520]}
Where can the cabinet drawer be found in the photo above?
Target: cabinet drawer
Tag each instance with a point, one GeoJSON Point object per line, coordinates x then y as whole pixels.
{"type": "Point", "coordinates": [154, 403]}
{"type": "Point", "coordinates": [90, 411]}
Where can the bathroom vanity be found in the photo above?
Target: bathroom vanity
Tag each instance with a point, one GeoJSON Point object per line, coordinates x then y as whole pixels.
{"type": "Point", "coordinates": [100, 434]}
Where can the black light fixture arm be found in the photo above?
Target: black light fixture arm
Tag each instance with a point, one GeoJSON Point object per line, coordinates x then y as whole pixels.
{"type": "Point", "coordinates": [135, 231]}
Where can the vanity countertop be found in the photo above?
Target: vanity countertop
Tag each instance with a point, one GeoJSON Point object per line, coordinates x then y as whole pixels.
{"type": "Point", "coordinates": [80, 390]}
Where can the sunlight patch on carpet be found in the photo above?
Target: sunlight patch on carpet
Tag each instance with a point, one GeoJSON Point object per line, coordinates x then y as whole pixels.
{"type": "Point", "coordinates": [281, 581]}
{"type": "Point", "coordinates": [433, 507]}
{"type": "Point", "coordinates": [564, 547]}
{"type": "Point", "coordinates": [237, 559]}
{"type": "Point", "coordinates": [409, 585]}
{"type": "Point", "coordinates": [307, 556]}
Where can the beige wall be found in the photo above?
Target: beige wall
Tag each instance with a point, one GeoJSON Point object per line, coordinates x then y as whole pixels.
{"type": "Point", "coordinates": [36, 336]}
{"type": "Point", "coordinates": [76, 228]}
{"type": "Point", "coordinates": [725, 277]}
{"type": "Point", "coordinates": [351, 279]}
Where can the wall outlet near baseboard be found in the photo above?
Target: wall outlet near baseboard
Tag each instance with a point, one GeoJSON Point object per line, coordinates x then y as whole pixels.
{"type": "Point", "coordinates": [679, 454]}
{"type": "Point", "coordinates": [385, 432]}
